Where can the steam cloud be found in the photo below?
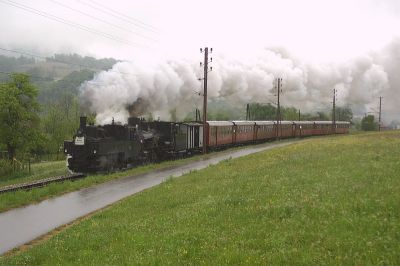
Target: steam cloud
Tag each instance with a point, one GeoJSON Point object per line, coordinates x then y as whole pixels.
{"type": "Point", "coordinates": [137, 88]}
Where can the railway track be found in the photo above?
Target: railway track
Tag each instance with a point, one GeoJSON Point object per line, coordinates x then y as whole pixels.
{"type": "Point", "coordinates": [40, 183]}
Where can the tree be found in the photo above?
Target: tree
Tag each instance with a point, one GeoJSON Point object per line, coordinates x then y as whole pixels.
{"type": "Point", "coordinates": [262, 112]}
{"type": "Point", "coordinates": [344, 114]}
{"type": "Point", "coordinates": [368, 123]}
{"type": "Point", "coordinates": [19, 118]}
{"type": "Point", "coordinates": [60, 120]}
{"type": "Point", "coordinates": [290, 113]}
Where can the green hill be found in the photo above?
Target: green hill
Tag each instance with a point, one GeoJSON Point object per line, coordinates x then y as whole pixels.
{"type": "Point", "coordinates": [56, 75]}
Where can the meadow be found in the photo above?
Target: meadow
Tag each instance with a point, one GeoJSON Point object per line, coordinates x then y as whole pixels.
{"type": "Point", "coordinates": [333, 200]}
{"type": "Point", "coordinates": [42, 170]}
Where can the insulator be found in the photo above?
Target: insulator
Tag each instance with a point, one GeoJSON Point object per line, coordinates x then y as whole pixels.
{"type": "Point", "coordinates": [201, 50]}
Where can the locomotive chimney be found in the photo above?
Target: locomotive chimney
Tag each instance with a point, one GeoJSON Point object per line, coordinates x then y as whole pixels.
{"type": "Point", "coordinates": [82, 122]}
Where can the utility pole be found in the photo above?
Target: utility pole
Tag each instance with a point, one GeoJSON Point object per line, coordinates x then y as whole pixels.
{"type": "Point", "coordinates": [248, 112]}
{"type": "Point", "coordinates": [380, 111]}
{"type": "Point", "coordinates": [205, 129]}
{"type": "Point", "coordinates": [278, 111]}
{"type": "Point", "coordinates": [198, 116]}
{"type": "Point", "coordinates": [299, 115]}
{"type": "Point", "coordinates": [334, 112]}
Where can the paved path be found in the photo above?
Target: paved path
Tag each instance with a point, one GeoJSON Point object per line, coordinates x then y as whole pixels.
{"type": "Point", "coordinates": [22, 225]}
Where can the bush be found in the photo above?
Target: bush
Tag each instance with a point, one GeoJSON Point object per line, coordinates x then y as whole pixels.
{"type": "Point", "coordinates": [6, 167]}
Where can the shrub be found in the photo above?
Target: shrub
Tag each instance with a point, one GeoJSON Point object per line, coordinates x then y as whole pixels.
{"type": "Point", "coordinates": [6, 167]}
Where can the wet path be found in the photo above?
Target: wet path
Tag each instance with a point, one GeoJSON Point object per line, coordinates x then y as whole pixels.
{"type": "Point", "coordinates": [22, 225]}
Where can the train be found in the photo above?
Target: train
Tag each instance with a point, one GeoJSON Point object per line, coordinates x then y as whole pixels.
{"type": "Point", "coordinates": [96, 148]}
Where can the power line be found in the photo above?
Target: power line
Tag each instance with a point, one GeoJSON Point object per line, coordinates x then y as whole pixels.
{"type": "Point", "coordinates": [69, 23]}
{"type": "Point", "coordinates": [120, 16]}
{"type": "Point", "coordinates": [102, 20]}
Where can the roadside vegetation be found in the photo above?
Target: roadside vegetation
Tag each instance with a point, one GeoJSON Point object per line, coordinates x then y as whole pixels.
{"type": "Point", "coordinates": [19, 198]}
{"type": "Point", "coordinates": [333, 200]}
{"type": "Point", "coordinates": [38, 171]}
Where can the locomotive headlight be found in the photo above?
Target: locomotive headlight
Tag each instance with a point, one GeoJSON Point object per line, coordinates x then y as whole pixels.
{"type": "Point", "coordinates": [94, 151]}
{"type": "Point", "coordinates": [65, 150]}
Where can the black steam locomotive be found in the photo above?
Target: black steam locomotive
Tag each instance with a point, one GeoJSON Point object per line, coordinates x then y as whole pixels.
{"type": "Point", "coordinates": [116, 146]}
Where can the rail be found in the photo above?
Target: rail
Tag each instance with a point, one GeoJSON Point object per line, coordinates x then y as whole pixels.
{"type": "Point", "coordinates": [40, 183]}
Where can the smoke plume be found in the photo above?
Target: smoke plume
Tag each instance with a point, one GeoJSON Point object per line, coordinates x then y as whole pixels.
{"type": "Point", "coordinates": [157, 88]}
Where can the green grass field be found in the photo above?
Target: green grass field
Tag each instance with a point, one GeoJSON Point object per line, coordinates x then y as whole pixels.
{"type": "Point", "coordinates": [333, 200]}
{"type": "Point", "coordinates": [42, 170]}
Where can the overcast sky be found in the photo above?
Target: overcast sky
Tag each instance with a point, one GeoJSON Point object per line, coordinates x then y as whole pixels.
{"type": "Point", "coordinates": [315, 45]}
{"type": "Point", "coordinates": [313, 30]}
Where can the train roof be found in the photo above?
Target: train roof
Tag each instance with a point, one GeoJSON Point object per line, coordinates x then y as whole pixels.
{"type": "Point", "coordinates": [304, 122]}
{"type": "Point", "coordinates": [251, 123]}
{"type": "Point", "coordinates": [286, 122]}
{"type": "Point", "coordinates": [244, 123]}
{"type": "Point", "coordinates": [323, 122]}
{"type": "Point", "coordinates": [220, 123]}
{"type": "Point", "coordinates": [320, 122]}
{"type": "Point", "coordinates": [262, 123]}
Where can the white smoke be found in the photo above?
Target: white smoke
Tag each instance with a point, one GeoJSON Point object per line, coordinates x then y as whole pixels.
{"type": "Point", "coordinates": [138, 88]}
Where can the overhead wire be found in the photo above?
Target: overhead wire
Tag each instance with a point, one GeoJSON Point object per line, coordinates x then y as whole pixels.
{"type": "Point", "coordinates": [102, 20]}
{"type": "Point", "coordinates": [69, 23]}
{"type": "Point", "coordinates": [106, 10]}
{"type": "Point", "coordinates": [134, 20]}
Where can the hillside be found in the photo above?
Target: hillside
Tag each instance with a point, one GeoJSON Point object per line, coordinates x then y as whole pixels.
{"type": "Point", "coordinates": [332, 200]}
{"type": "Point", "coordinates": [57, 75]}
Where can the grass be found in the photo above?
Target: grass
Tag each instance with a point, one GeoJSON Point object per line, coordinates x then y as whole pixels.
{"type": "Point", "coordinates": [332, 200]}
{"type": "Point", "coordinates": [20, 198]}
{"type": "Point", "coordinates": [38, 171]}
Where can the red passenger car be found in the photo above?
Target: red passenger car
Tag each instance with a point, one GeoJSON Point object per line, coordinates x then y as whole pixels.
{"type": "Point", "coordinates": [220, 133]}
{"type": "Point", "coordinates": [286, 129]}
{"type": "Point", "coordinates": [322, 127]}
{"type": "Point", "coordinates": [342, 127]}
{"type": "Point", "coordinates": [244, 131]}
{"type": "Point", "coordinates": [265, 130]}
{"type": "Point", "coordinates": [304, 128]}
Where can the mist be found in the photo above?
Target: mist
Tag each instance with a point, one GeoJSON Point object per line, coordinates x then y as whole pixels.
{"type": "Point", "coordinates": [141, 88]}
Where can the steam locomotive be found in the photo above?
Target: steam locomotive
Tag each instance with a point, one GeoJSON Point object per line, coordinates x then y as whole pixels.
{"type": "Point", "coordinates": [116, 146]}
